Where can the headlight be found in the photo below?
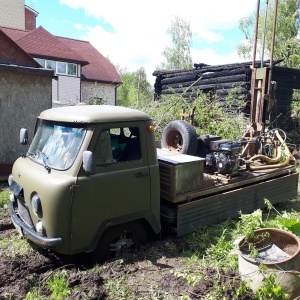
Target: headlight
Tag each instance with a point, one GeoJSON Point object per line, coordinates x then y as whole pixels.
{"type": "Point", "coordinates": [36, 205]}
{"type": "Point", "coordinates": [10, 179]}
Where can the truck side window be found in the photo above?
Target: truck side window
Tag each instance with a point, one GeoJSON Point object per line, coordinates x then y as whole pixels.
{"type": "Point", "coordinates": [118, 145]}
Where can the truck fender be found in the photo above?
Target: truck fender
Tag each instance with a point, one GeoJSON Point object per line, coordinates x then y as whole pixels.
{"type": "Point", "coordinates": [119, 239]}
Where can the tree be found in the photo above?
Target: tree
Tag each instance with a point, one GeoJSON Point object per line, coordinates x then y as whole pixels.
{"type": "Point", "coordinates": [178, 55]}
{"type": "Point", "coordinates": [135, 91]}
{"type": "Point", "coordinates": [287, 43]}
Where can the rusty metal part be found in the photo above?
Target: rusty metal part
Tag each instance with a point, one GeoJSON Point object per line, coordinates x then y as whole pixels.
{"type": "Point", "coordinates": [281, 149]}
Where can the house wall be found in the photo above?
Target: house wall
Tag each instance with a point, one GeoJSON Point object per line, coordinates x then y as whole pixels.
{"type": "Point", "coordinates": [90, 91]}
{"type": "Point", "coordinates": [66, 91]}
{"type": "Point", "coordinates": [22, 97]}
{"type": "Point", "coordinates": [12, 14]}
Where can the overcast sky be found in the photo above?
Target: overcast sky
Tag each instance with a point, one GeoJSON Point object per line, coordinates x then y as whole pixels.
{"type": "Point", "coordinates": [133, 33]}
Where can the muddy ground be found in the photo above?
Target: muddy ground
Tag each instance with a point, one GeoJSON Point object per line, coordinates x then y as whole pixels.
{"type": "Point", "coordinates": [152, 272]}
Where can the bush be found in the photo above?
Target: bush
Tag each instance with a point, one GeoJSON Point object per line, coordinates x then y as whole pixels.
{"type": "Point", "coordinates": [212, 116]}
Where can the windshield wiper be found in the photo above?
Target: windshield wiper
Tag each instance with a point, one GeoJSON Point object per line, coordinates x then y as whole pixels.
{"type": "Point", "coordinates": [28, 154]}
{"type": "Point", "coordinates": [44, 160]}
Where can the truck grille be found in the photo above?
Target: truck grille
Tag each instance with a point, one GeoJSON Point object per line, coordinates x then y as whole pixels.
{"type": "Point", "coordinates": [24, 213]}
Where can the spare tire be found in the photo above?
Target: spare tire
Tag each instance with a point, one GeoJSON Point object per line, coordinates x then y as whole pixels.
{"type": "Point", "coordinates": [180, 136]}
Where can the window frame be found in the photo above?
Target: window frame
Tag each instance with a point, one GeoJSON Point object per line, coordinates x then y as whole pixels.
{"type": "Point", "coordinates": [69, 66]}
{"type": "Point", "coordinates": [115, 155]}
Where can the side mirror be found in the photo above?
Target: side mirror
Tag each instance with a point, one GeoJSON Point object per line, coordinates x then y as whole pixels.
{"type": "Point", "coordinates": [88, 162]}
{"type": "Point", "coordinates": [24, 136]}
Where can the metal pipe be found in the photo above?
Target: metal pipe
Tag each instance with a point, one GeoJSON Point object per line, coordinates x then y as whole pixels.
{"type": "Point", "coordinates": [255, 35]}
{"type": "Point", "coordinates": [272, 45]}
{"type": "Point", "coordinates": [264, 35]}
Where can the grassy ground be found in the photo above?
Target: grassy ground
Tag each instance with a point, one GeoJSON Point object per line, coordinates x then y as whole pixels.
{"type": "Point", "coordinates": [202, 265]}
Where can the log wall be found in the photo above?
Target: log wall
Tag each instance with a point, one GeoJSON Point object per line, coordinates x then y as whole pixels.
{"type": "Point", "coordinates": [220, 79]}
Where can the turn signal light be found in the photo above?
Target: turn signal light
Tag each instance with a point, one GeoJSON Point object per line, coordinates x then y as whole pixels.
{"type": "Point", "coordinates": [150, 128]}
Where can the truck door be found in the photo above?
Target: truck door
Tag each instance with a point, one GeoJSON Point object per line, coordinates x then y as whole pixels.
{"type": "Point", "coordinates": [118, 192]}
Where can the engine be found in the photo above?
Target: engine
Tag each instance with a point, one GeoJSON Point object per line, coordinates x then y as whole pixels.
{"type": "Point", "coordinates": [224, 156]}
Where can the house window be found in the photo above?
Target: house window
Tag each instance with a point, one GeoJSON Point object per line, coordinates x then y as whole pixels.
{"type": "Point", "coordinates": [72, 69]}
{"type": "Point", "coordinates": [58, 66]}
{"type": "Point", "coordinates": [40, 61]}
{"type": "Point", "coordinates": [61, 68]}
{"type": "Point", "coordinates": [50, 64]}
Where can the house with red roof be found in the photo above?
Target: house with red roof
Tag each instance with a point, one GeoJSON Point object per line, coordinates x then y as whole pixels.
{"type": "Point", "coordinates": [38, 71]}
{"type": "Point", "coordinates": [81, 72]}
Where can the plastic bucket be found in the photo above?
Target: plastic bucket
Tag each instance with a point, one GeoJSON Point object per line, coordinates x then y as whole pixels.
{"type": "Point", "coordinates": [279, 253]}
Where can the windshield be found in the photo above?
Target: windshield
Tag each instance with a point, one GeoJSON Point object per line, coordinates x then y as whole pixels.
{"type": "Point", "coordinates": [55, 145]}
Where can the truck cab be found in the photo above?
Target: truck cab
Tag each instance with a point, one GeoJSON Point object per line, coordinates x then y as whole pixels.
{"type": "Point", "coordinates": [89, 180]}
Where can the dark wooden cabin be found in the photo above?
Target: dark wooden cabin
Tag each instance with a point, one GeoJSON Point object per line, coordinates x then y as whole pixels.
{"type": "Point", "coordinates": [219, 80]}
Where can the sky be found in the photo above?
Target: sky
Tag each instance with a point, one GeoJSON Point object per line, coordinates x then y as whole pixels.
{"type": "Point", "coordinates": [133, 33]}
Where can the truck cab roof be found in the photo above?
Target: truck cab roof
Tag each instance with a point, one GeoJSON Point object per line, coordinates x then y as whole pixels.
{"type": "Point", "coordinates": [93, 114]}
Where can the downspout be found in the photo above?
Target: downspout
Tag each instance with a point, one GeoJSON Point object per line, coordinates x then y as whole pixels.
{"type": "Point", "coordinates": [116, 92]}
{"type": "Point", "coordinates": [80, 96]}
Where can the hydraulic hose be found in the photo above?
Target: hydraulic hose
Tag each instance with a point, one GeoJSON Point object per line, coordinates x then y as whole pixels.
{"type": "Point", "coordinates": [282, 149]}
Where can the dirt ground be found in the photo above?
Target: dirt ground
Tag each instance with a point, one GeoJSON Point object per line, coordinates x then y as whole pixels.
{"type": "Point", "coordinates": [152, 272]}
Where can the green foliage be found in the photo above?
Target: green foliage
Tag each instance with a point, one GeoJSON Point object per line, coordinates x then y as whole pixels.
{"type": "Point", "coordinates": [34, 295]}
{"type": "Point", "coordinates": [135, 91]}
{"type": "Point", "coordinates": [4, 198]}
{"type": "Point", "coordinates": [178, 55]}
{"type": "Point", "coordinates": [251, 222]}
{"type": "Point", "coordinates": [58, 286]}
{"type": "Point", "coordinates": [287, 44]}
{"type": "Point", "coordinates": [188, 276]}
{"type": "Point", "coordinates": [270, 289]}
{"type": "Point", "coordinates": [214, 243]}
{"type": "Point", "coordinates": [13, 245]}
{"type": "Point", "coordinates": [116, 289]}
{"type": "Point", "coordinates": [211, 115]}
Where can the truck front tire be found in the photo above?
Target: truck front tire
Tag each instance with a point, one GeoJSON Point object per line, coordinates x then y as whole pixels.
{"type": "Point", "coordinates": [180, 136]}
{"type": "Point", "coordinates": [120, 239]}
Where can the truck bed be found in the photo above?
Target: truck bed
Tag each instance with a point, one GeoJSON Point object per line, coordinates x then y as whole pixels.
{"type": "Point", "coordinates": [217, 197]}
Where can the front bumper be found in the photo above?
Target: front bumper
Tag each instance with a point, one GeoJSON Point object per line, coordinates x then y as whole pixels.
{"type": "Point", "coordinates": [35, 237]}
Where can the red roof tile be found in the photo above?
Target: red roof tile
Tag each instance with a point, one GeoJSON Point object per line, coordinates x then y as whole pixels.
{"type": "Point", "coordinates": [14, 34]}
{"type": "Point", "coordinates": [41, 43]}
{"type": "Point", "coordinates": [99, 68]}
{"type": "Point", "coordinates": [12, 54]}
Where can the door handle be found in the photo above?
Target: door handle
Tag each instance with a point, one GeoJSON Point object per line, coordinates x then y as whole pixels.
{"type": "Point", "coordinates": [140, 175]}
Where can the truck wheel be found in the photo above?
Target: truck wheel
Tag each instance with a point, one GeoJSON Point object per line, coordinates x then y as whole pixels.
{"type": "Point", "coordinates": [120, 239]}
{"type": "Point", "coordinates": [180, 136]}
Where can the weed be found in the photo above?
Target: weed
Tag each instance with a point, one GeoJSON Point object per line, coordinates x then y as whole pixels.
{"type": "Point", "coordinates": [34, 295]}
{"type": "Point", "coordinates": [211, 115]}
{"type": "Point", "coordinates": [270, 289]}
{"type": "Point", "coordinates": [58, 286]}
{"type": "Point", "coordinates": [188, 276]}
{"type": "Point", "coordinates": [213, 244]}
{"type": "Point", "coordinates": [118, 289]}
{"type": "Point", "coordinates": [12, 245]}
{"type": "Point", "coordinates": [4, 198]}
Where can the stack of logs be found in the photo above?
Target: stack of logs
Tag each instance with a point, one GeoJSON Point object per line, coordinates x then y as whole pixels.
{"type": "Point", "coordinates": [219, 80]}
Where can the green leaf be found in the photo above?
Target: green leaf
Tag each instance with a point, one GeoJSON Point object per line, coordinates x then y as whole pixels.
{"type": "Point", "coordinates": [287, 222]}
{"type": "Point", "coordinates": [296, 229]}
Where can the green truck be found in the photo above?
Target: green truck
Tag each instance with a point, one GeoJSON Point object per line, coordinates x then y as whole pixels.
{"type": "Point", "coordinates": [95, 180]}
